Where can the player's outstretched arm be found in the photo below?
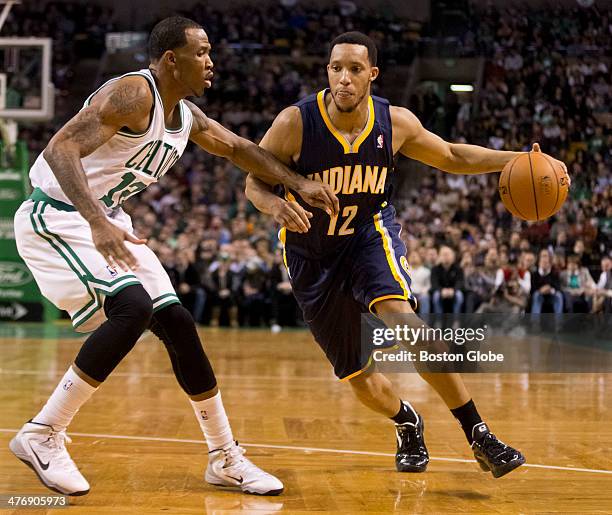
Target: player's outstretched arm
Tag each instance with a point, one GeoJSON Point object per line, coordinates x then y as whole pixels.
{"type": "Point", "coordinates": [216, 139]}
{"type": "Point", "coordinates": [418, 143]}
{"type": "Point", "coordinates": [123, 103]}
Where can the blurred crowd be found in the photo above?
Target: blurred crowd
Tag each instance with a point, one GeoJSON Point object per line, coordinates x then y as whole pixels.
{"type": "Point", "coordinates": [547, 79]}
{"type": "Point", "coordinates": [465, 251]}
{"type": "Point", "coordinates": [268, 56]}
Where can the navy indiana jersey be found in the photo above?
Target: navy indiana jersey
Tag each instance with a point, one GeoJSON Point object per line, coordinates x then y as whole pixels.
{"type": "Point", "coordinates": [359, 174]}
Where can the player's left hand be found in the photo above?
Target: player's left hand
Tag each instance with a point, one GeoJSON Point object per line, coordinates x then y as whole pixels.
{"type": "Point", "coordinates": [536, 148]}
{"type": "Point", "coordinates": [291, 215]}
{"type": "Point", "coordinates": [319, 195]}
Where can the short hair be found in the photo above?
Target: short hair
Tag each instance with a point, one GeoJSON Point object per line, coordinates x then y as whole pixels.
{"type": "Point", "coordinates": [356, 38]}
{"type": "Point", "coordinates": [169, 34]}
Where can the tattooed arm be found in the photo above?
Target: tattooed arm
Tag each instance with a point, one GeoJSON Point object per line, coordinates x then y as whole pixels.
{"type": "Point", "coordinates": [124, 103]}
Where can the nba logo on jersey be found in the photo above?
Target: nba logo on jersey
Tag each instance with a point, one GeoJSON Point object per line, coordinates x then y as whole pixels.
{"type": "Point", "coordinates": [67, 385]}
{"type": "Point", "coordinates": [111, 270]}
{"type": "Point", "coordinates": [380, 141]}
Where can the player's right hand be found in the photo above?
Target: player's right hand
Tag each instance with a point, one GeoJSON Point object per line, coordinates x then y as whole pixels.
{"type": "Point", "coordinates": [291, 215]}
{"type": "Point", "coordinates": [110, 242]}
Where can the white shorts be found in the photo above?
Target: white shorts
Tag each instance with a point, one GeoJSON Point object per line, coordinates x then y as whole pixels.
{"type": "Point", "coordinates": [55, 242]}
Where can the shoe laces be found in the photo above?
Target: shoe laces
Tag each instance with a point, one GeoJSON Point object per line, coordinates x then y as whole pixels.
{"type": "Point", "coordinates": [411, 439]}
{"type": "Point", "coordinates": [235, 459]}
{"type": "Point", "coordinates": [234, 455]}
{"type": "Point", "coordinates": [57, 440]}
{"type": "Point", "coordinates": [492, 445]}
{"type": "Point", "coordinates": [56, 444]}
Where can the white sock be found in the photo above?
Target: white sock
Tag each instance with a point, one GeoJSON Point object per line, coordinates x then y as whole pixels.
{"type": "Point", "coordinates": [213, 421]}
{"type": "Point", "coordinates": [68, 397]}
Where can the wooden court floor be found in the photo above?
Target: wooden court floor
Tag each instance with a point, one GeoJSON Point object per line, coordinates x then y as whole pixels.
{"type": "Point", "coordinates": [140, 447]}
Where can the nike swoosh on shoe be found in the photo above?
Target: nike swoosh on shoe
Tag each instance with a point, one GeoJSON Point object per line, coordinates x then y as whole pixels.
{"type": "Point", "coordinates": [44, 466]}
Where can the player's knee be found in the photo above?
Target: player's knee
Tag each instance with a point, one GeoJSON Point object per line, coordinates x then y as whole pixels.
{"type": "Point", "coordinates": [143, 311]}
{"type": "Point", "coordinates": [131, 307]}
{"type": "Point", "coordinates": [176, 328]}
{"type": "Point", "coordinates": [175, 317]}
{"type": "Point", "coordinates": [177, 314]}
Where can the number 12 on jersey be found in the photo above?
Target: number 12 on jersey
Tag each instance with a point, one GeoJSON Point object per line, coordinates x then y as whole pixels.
{"type": "Point", "coordinates": [348, 213]}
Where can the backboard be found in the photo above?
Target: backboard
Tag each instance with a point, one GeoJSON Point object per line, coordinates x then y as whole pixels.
{"type": "Point", "coordinates": [26, 91]}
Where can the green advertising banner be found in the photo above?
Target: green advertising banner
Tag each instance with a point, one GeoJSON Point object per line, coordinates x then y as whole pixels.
{"type": "Point", "coordinates": [20, 298]}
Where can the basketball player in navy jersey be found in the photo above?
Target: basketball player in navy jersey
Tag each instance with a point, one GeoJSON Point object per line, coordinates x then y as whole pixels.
{"type": "Point", "coordinates": [343, 266]}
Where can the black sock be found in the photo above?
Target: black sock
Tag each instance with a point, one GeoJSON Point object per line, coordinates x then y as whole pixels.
{"type": "Point", "coordinates": [468, 417]}
{"type": "Point", "coordinates": [405, 414]}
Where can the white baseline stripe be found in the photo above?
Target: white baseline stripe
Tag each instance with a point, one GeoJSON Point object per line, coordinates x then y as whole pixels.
{"type": "Point", "coordinates": [306, 449]}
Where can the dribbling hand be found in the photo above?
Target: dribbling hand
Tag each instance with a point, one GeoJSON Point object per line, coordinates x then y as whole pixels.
{"type": "Point", "coordinates": [536, 148]}
{"type": "Point", "coordinates": [110, 242]}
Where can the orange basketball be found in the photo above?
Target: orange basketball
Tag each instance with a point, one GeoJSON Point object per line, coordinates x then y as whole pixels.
{"type": "Point", "coordinates": [533, 186]}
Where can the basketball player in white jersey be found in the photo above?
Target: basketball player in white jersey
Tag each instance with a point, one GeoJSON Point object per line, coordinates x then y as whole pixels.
{"type": "Point", "coordinates": [80, 247]}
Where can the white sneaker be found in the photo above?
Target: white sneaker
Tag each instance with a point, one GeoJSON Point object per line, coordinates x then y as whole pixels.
{"type": "Point", "coordinates": [229, 467]}
{"type": "Point", "coordinates": [42, 449]}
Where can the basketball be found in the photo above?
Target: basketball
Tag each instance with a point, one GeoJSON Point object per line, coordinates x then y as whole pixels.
{"type": "Point", "coordinates": [533, 186]}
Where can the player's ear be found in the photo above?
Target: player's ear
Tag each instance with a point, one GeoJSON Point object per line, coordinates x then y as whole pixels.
{"type": "Point", "coordinates": [374, 73]}
{"type": "Point", "coordinates": [169, 57]}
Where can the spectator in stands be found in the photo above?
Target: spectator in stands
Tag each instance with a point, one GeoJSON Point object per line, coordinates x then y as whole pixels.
{"type": "Point", "coordinates": [223, 283]}
{"type": "Point", "coordinates": [525, 265]}
{"type": "Point", "coordinates": [514, 247]}
{"type": "Point", "coordinates": [581, 253]}
{"type": "Point", "coordinates": [509, 297]}
{"type": "Point", "coordinates": [545, 287]}
{"type": "Point", "coordinates": [603, 293]}
{"type": "Point", "coordinates": [431, 257]}
{"type": "Point", "coordinates": [184, 275]}
{"type": "Point", "coordinates": [479, 281]}
{"type": "Point", "coordinates": [578, 286]}
{"type": "Point", "coordinates": [206, 255]}
{"type": "Point", "coordinates": [253, 305]}
{"type": "Point", "coordinates": [447, 284]}
{"type": "Point", "coordinates": [420, 284]}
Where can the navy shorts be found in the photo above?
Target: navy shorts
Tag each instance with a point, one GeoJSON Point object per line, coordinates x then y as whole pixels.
{"type": "Point", "coordinates": [333, 292]}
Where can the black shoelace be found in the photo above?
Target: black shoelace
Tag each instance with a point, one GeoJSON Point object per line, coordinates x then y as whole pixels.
{"type": "Point", "coordinates": [492, 445]}
{"type": "Point", "coordinates": [411, 445]}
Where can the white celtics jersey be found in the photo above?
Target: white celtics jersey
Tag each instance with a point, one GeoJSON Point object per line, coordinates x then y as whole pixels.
{"type": "Point", "coordinates": [128, 162]}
